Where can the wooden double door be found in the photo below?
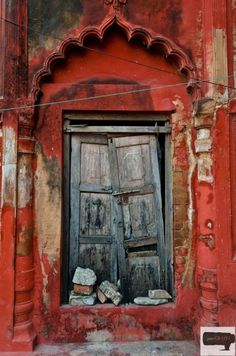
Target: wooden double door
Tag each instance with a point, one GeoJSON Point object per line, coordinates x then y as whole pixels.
{"type": "Point", "coordinates": [116, 217]}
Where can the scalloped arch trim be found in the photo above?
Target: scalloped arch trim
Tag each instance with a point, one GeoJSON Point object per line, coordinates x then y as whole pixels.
{"type": "Point", "coordinates": [169, 48]}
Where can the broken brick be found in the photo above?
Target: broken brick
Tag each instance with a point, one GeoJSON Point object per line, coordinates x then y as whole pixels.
{"type": "Point", "coordinates": [110, 290]}
{"type": "Point", "coordinates": [84, 290]}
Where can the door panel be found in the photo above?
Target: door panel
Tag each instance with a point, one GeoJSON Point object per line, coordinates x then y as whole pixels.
{"type": "Point", "coordinates": [139, 217]}
{"type": "Point", "coordinates": [94, 164]}
{"type": "Point", "coordinates": [116, 210]}
{"type": "Point", "coordinates": [145, 269]}
{"type": "Point", "coordinates": [92, 237]}
{"type": "Point", "coordinates": [95, 214]}
{"type": "Point", "coordinates": [134, 159]}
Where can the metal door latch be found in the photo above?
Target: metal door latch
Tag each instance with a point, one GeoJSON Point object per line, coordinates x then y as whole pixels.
{"type": "Point", "coordinates": [126, 192]}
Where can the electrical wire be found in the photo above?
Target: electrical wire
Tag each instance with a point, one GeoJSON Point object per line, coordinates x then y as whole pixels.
{"type": "Point", "coordinates": [111, 94]}
{"type": "Point", "coordinates": [102, 96]}
{"type": "Point", "coordinates": [121, 58]}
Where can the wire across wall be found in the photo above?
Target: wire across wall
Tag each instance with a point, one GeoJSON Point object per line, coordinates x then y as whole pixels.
{"type": "Point", "coordinates": [119, 93]}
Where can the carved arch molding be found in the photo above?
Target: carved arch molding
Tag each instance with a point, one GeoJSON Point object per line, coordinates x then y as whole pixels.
{"type": "Point", "coordinates": [167, 46]}
{"type": "Point", "coordinates": [151, 39]}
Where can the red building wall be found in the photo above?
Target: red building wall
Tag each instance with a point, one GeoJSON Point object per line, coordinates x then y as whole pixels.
{"type": "Point", "coordinates": [187, 49]}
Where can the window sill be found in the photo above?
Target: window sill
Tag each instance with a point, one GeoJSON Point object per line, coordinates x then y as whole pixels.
{"type": "Point", "coordinates": [109, 306]}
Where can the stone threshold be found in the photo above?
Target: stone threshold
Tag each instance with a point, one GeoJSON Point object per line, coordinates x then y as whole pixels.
{"type": "Point", "coordinates": [136, 348]}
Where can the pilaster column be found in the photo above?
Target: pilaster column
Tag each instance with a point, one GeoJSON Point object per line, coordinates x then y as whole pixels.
{"type": "Point", "coordinates": [206, 214]}
{"type": "Point", "coordinates": [24, 335]}
{"type": "Point", "coordinates": [215, 49]}
{"type": "Point", "coordinates": [8, 227]}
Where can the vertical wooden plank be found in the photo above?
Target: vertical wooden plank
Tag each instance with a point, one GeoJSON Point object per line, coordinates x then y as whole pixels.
{"type": "Point", "coordinates": [118, 216]}
{"type": "Point", "coordinates": [85, 213]}
{"type": "Point", "coordinates": [114, 252]}
{"type": "Point", "coordinates": [168, 215]}
{"type": "Point", "coordinates": [127, 221]}
{"type": "Point", "coordinates": [74, 203]}
{"type": "Point", "coordinates": [66, 219]}
{"type": "Point", "coordinates": [160, 225]}
{"type": "Point", "coordinates": [104, 166]}
{"type": "Point", "coordinates": [146, 162]}
{"type": "Point", "coordinates": [90, 163]}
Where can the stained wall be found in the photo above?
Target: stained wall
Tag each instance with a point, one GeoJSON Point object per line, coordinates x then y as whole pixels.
{"type": "Point", "coordinates": [39, 70]}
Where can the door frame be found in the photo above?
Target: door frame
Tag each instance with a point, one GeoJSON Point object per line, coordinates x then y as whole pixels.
{"type": "Point", "coordinates": [104, 122]}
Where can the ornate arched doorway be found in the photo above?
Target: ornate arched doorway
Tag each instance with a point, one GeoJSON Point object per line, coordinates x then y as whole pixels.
{"type": "Point", "coordinates": [96, 79]}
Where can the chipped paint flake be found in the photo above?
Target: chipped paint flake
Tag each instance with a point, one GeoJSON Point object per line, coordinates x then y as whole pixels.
{"type": "Point", "coordinates": [205, 164]}
{"type": "Point", "coordinates": [9, 185]}
{"type": "Point", "coordinates": [24, 181]}
{"type": "Point", "coordinates": [203, 134]}
{"type": "Point", "coordinates": [203, 145]}
{"type": "Point", "coordinates": [10, 146]}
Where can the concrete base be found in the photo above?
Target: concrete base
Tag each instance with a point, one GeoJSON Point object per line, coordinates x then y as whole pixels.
{"type": "Point", "coordinates": [144, 348]}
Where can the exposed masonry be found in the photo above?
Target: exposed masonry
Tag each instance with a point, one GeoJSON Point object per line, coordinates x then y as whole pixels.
{"type": "Point", "coordinates": [203, 146]}
{"type": "Point", "coordinates": [204, 118]}
{"type": "Point", "coordinates": [184, 168]}
{"type": "Point", "coordinates": [189, 270]}
{"type": "Point", "coordinates": [9, 166]}
{"type": "Point", "coordinates": [203, 142]}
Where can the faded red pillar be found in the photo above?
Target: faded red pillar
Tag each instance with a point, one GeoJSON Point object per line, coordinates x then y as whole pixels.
{"type": "Point", "coordinates": [215, 70]}
{"type": "Point", "coordinates": [206, 214]}
{"type": "Point", "coordinates": [8, 220]}
{"type": "Point", "coordinates": [16, 248]}
{"type": "Point", "coordinates": [24, 335]}
{"type": "Point", "coordinates": [15, 267]}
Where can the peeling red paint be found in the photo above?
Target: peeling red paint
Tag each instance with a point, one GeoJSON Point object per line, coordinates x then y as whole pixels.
{"type": "Point", "coordinates": [176, 36]}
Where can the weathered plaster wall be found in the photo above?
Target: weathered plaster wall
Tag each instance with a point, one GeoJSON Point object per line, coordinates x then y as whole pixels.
{"type": "Point", "coordinates": [203, 252]}
{"type": "Point", "coordinates": [51, 20]}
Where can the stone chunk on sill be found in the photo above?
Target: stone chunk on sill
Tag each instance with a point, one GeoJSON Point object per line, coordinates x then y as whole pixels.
{"type": "Point", "coordinates": [90, 300]}
{"type": "Point", "coordinates": [77, 299]}
{"type": "Point", "coordinates": [159, 294]}
{"type": "Point", "coordinates": [84, 276]}
{"type": "Point", "coordinates": [110, 290]}
{"type": "Point", "coordinates": [149, 301]}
